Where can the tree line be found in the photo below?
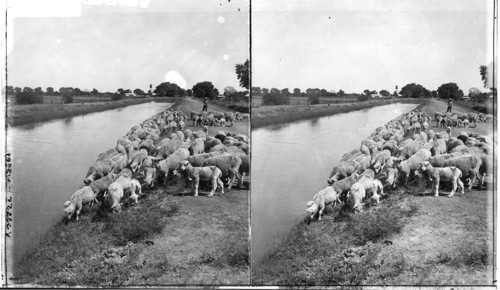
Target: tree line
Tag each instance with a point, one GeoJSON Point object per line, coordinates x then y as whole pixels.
{"type": "Point", "coordinates": [450, 90]}
{"type": "Point", "coordinates": [204, 89]}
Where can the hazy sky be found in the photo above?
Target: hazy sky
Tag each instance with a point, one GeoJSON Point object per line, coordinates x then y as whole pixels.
{"type": "Point", "coordinates": [358, 45]}
{"type": "Point", "coordinates": [119, 44]}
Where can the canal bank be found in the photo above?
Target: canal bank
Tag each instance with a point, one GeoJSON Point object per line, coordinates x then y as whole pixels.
{"type": "Point", "coordinates": [283, 114]}
{"type": "Point", "coordinates": [26, 114]}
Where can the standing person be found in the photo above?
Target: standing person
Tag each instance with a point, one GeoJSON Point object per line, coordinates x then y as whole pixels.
{"type": "Point", "coordinates": [450, 104]}
{"type": "Point", "coordinates": [205, 104]}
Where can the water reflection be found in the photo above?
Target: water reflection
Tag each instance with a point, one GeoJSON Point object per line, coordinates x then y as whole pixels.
{"type": "Point", "coordinates": [314, 122]}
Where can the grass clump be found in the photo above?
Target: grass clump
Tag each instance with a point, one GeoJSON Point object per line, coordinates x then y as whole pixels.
{"type": "Point", "coordinates": [375, 226]}
{"type": "Point", "coordinates": [73, 253]}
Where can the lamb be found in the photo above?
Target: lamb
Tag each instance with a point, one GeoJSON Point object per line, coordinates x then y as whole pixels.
{"type": "Point", "coordinates": [80, 198]}
{"type": "Point", "coordinates": [351, 155]}
{"type": "Point", "coordinates": [452, 174]}
{"type": "Point", "coordinates": [220, 148]}
{"type": "Point", "coordinates": [373, 187]}
{"type": "Point", "coordinates": [380, 160]}
{"type": "Point", "coordinates": [198, 159]}
{"type": "Point", "coordinates": [355, 196]}
{"type": "Point", "coordinates": [165, 166]}
{"type": "Point", "coordinates": [197, 146]}
{"type": "Point", "coordinates": [124, 172]}
{"type": "Point", "coordinates": [169, 148]}
{"type": "Point", "coordinates": [368, 172]}
{"type": "Point", "coordinates": [211, 142]}
{"type": "Point", "coordinates": [187, 134]}
{"type": "Point", "coordinates": [468, 164]}
{"type": "Point", "coordinates": [431, 135]}
{"type": "Point", "coordinates": [344, 169]}
{"type": "Point", "coordinates": [113, 197]}
{"type": "Point", "coordinates": [410, 149]}
{"type": "Point", "coordinates": [100, 186]}
{"type": "Point", "coordinates": [137, 159]}
{"type": "Point", "coordinates": [452, 143]}
{"type": "Point", "coordinates": [99, 169]}
{"type": "Point", "coordinates": [324, 197]}
{"type": "Point", "coordinates": [438, 160]}
{"type": "Point", "coordinates": [207, 173]}
{"type": "Point", "coordinates": [343, 186]}
{"type": "Point", "coordinates": [229, 165]}
{"type": "Point", "coordinates": [413, 163]}
{"type": "Point", "coordinates": [392, 175]}
{"type": "Point", "coordinates": [439, 147]}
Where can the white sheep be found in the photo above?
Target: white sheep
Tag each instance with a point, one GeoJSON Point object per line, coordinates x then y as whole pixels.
{"type": "Point", "coordinates": [413, 163]}
{"type": "Point", "coordinates": [324, 197]}
{"type": "Point", "coordinates": [452, 174]}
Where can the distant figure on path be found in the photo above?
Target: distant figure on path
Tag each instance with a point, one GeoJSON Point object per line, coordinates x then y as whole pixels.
{"type": "Point", "coordinates": [205, 104]}
{"type": "Point", "coordinates": [450, 104]}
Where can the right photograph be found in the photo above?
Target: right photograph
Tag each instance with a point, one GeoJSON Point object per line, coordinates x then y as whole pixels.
{"type": "Point", "coordinates": [372, 143]}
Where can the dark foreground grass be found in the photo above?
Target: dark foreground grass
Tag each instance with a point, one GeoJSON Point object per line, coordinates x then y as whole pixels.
{"type": "Point", "coordinates": [74, 253]}
{"type": "Point", "coordinates": [340, 250]}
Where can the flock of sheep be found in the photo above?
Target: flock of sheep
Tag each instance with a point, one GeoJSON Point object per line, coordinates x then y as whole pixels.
{"type": "Point", "coordinates": [401, 150]}
{"type": "Point", "coordinates": [460, 119]}
{"type": "Point", "coordinates": [217, 119]}
{"type": "Point", "coordinates": [142, 158]}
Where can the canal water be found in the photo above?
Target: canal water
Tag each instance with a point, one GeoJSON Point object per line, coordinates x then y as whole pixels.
{"type": "Point", "coordinates": [291, 163]}
{"type": "Point", "coordinates": [50, 160]}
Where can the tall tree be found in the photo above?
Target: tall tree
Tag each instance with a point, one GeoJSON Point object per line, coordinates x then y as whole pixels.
{"type": "Point", "coordinates": [415, 91]}
{"type": "Point", "coordinates": [341, 93]}
{"type": "Point", "coordinates": [483, 70]}
{"type": "Point", "coordinates": [205, 89]}
{"type": "Point", "coordinates": [385, 93]}
{"type": "Point", "coordinates": [49, 90]}
{"type": "Point", "coordinates": [449, 90]}
{"type": "Point", "coordinates": [228, 91]}
{"type": "Point", "coordinates": [265, 91]}
{"type": "Point", "coordinates": [275, 91]}
{"type": "Point", "coordinates": [256, 90]}
{"type": "Point", "coordinates": [296, 91]}
{"type": "Point", "coordinates": [285, 91]}
{"type": "Point", "coordinates": [168, 89]}
{"type": "Point", "coordinates": [94, 92]}
{"type": "Point", "coordinates": [243, 74]}
{"type": "Point", "coordinates": [139, 92]}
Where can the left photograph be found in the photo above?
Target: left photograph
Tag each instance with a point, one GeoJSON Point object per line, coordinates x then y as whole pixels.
{"type": "Point", "coordinates": [128, 144]}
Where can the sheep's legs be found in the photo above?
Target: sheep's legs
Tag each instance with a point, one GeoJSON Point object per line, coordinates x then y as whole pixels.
{"type": "Point", "coordinates": [454, 182]}
{"type": "Point", "coordinates": [196, 184]}
{"type": "Point", "coordinates": [214, 186]}
{"type": "Point", "coordinates": [436, 188]}
{"type": "Point", "coordinates": [461, 184]}
{"type": "Point", "coordinates": [221, 184]}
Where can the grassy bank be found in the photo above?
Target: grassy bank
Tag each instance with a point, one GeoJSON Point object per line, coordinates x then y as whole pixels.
{"type": "Point", "coordinates": [25, 114]}
{"type": "Point", "coordinates": [273, 115]}
{"type": "Point", "coordinates": [169, 238]}
{"type": "Point", "coordinates": [412, 238]}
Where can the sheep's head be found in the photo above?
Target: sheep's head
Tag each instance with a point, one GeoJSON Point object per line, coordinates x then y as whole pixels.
{"type": "Point", "coordinates": [312, 210]}
{"type": "Point", "coordinates": [423, 167]}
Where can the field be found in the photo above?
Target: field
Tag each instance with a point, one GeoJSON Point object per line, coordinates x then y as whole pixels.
{"type": "Point", "coordinates": [170, 238]}
{"type": "Point", "coordinates": [299, 100]}
{"type": "Point", "coordinates": [412, 238]}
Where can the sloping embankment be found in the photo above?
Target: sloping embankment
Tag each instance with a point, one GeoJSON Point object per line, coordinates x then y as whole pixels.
{"type": "Point", "coordinates": [273, 115]}
{"type": "Point", "coordinates": [25, 114]}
